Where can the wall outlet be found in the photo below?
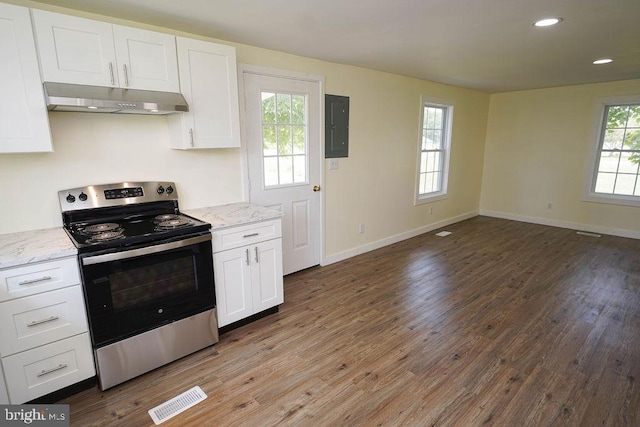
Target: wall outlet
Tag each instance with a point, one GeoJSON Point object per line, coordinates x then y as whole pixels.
{"type": "Point", "coordinates": [549, 206]}
{"type": "Point", "coordinates": [334, 164]}
{"type": "Point", "coordinates": [361, 228]}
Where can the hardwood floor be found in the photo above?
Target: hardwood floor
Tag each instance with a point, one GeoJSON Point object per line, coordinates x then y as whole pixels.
{"type": "Point", "coordinates": [500, 323]}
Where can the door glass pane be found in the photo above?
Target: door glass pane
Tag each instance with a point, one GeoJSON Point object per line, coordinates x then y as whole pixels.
{"type": "Point", "coordinates": [284, 139]}
{"type": "Point", "coordinates": [268, 107]}
{"type": "Point", "coordinates": [285, 164]}
{"type": "Point", "coordinates": [269, 140]}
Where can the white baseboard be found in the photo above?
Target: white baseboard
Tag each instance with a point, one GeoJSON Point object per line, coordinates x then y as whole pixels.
{"type": "Point", "coordinates": [395, 239]}
{"type": "Point", "coordinates": [563, 224]}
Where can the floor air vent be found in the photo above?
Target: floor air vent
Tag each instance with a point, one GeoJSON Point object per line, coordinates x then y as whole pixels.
{"type": "Point", "coordinates": [177, 405]}
{"type": "Point", "coordinates": [584, 233]}
{"type": "Point", "coordinates": [443, 233]}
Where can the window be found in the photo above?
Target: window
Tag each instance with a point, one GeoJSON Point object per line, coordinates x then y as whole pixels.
{"type": "Point", "coordinates": [616, 166]}
{"type": "Point", "coordinates": [433, 150]}
{"type": "Point", "coordinates": [284, 139]}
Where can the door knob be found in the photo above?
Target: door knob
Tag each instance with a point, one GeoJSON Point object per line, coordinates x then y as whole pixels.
{"type": "Point", "coordinates": [316, 188]}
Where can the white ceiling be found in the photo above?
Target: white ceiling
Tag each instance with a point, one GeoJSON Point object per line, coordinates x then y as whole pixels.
{"type": "Point", "coordinates": [488, 45]}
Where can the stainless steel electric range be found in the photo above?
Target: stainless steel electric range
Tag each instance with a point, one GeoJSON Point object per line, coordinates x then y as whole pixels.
{"type": "Point", "coordinates": [147, 272]}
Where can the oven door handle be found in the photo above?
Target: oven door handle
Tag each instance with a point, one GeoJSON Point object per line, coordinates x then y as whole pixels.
{"type": "Point", "coordinates": [116, 256]}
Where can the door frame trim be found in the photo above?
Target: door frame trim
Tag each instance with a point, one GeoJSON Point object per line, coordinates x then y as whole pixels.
{"type": "Point", "coordinates": [292, 75]}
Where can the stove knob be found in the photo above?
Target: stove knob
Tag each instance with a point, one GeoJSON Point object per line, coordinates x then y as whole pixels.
{"type": "Point", "coordinates": [71, 198]}
{"type": "Point", "coordinates": [169, 189]}
{"type": "Point", "coordinates": [82, 197]}
{"type": "Point", "coordinates": [160, 190]}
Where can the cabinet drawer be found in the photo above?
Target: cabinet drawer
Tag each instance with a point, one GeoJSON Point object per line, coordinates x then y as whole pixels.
{"type": "Point", "coordinates": [45, 369]}
{"type": "Point", "coordinates": [40, 319]}
{"type": "Point", "coordinates": [35, 278]}
{"type": "Point", "coordinates": [235, 237]}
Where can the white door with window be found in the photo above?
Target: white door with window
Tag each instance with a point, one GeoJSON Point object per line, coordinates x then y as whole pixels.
{"type": "Point", "coordinates": [284, 155]}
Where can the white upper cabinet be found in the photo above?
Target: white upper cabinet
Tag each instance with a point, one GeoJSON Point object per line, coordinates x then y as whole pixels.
{"type": "Point", "coordinates": [24, 122]}
{"type": "Point", "coordinates": [75, 50]}
{"type": "Point", "coordinates": [146, 60]}
{"type": "Point", "coordinates": [209, 83]}
{"type": "Point", "coordinates": [83, 51]}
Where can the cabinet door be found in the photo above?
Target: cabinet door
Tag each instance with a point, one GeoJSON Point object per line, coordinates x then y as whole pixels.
{"type": "Point", "coordinates": [75, 50]}
{"type": "Point", "coordinates": [266, 275]}
{"type": "Point", "coordinates": [24, 122]}
{"type": "Point", "coordinates": [209, 83]}
{"type": "Point", "coordinates": [146, 60]}
{"type": "Point", "coordinates": [233, 285]}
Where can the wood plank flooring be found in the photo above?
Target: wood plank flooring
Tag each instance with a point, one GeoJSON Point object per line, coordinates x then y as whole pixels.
{"type": "Point", "coordinates": [501, 323]}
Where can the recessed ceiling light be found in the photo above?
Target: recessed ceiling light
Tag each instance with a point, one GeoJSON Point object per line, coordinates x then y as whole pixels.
{"type": "Point", "coordinates": [92, 108]}
{"type": "Point", "coordinates": [547, 22]}
{"type": "Point", "coordinates": [602, 61]}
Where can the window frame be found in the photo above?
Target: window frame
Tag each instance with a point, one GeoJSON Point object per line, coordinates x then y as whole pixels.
{"type": "Point", "coordinates": [591, 170]}
{"type": "Point", "coordinates": [448, 109]}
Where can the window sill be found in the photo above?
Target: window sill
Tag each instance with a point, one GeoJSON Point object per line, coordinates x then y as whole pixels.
{"type": "Point", "coordinates": [424, 199]}
{"type": "Point", "coordinates": [610, 199]}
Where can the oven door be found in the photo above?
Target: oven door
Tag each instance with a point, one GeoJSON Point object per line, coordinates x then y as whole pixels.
{"type": "Point", "coordinates": [135, 290]}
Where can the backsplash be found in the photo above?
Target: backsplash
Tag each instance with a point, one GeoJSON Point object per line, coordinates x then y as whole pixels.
{"type": "Point", "coordinates": [91, 149]}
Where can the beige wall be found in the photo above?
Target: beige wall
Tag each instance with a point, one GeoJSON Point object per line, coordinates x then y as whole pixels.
{"type": "Point", "coordinates": [537, 148]}
{"type": "Point", "coordinates": [374, 186]}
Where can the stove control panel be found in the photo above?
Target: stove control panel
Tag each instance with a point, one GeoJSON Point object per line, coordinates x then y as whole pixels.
{"type": "Point", "coordinates": [123, 193]}
{"type": "Point", "coordinates": [98, 196]}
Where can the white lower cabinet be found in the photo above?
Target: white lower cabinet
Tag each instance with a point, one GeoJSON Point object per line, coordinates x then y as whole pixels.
{"type": "Point", "coordinates": [44, 339]}
{"type": "Point", "coordinates": [248, 275]}
{"type": "Point", "coordinates": [4, 397]}
{"type": "Point", "coordinates": [45, 369]}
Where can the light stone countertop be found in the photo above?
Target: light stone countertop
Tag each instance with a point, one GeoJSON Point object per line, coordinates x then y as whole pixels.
{"type": "Point", "coordinates": [34, 246]}
{"type": "Point", "coordinates": [26, 247]}
{"type": "Point", "coordinates": [233, 214]}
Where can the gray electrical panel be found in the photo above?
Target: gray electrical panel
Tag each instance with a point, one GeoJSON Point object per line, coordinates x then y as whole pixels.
{"type": "Point", "coordinates": [336, 126]}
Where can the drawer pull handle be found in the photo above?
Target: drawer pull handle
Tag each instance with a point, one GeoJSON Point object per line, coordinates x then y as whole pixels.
{"type": "Point", "coordinates": [251, 235]}
{"type": "Point", "coordinates": [28, 282]}
{"type": "Point", "coordinates": [40, 322]}
{"type": "Point", "coordinates": [48, 371]}
{"type": "Point", "coordinates": [256, 249]}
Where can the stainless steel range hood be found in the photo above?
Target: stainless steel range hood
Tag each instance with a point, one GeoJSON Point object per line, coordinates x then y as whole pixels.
{"type": "Point", "coordinates": [96, 99]}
